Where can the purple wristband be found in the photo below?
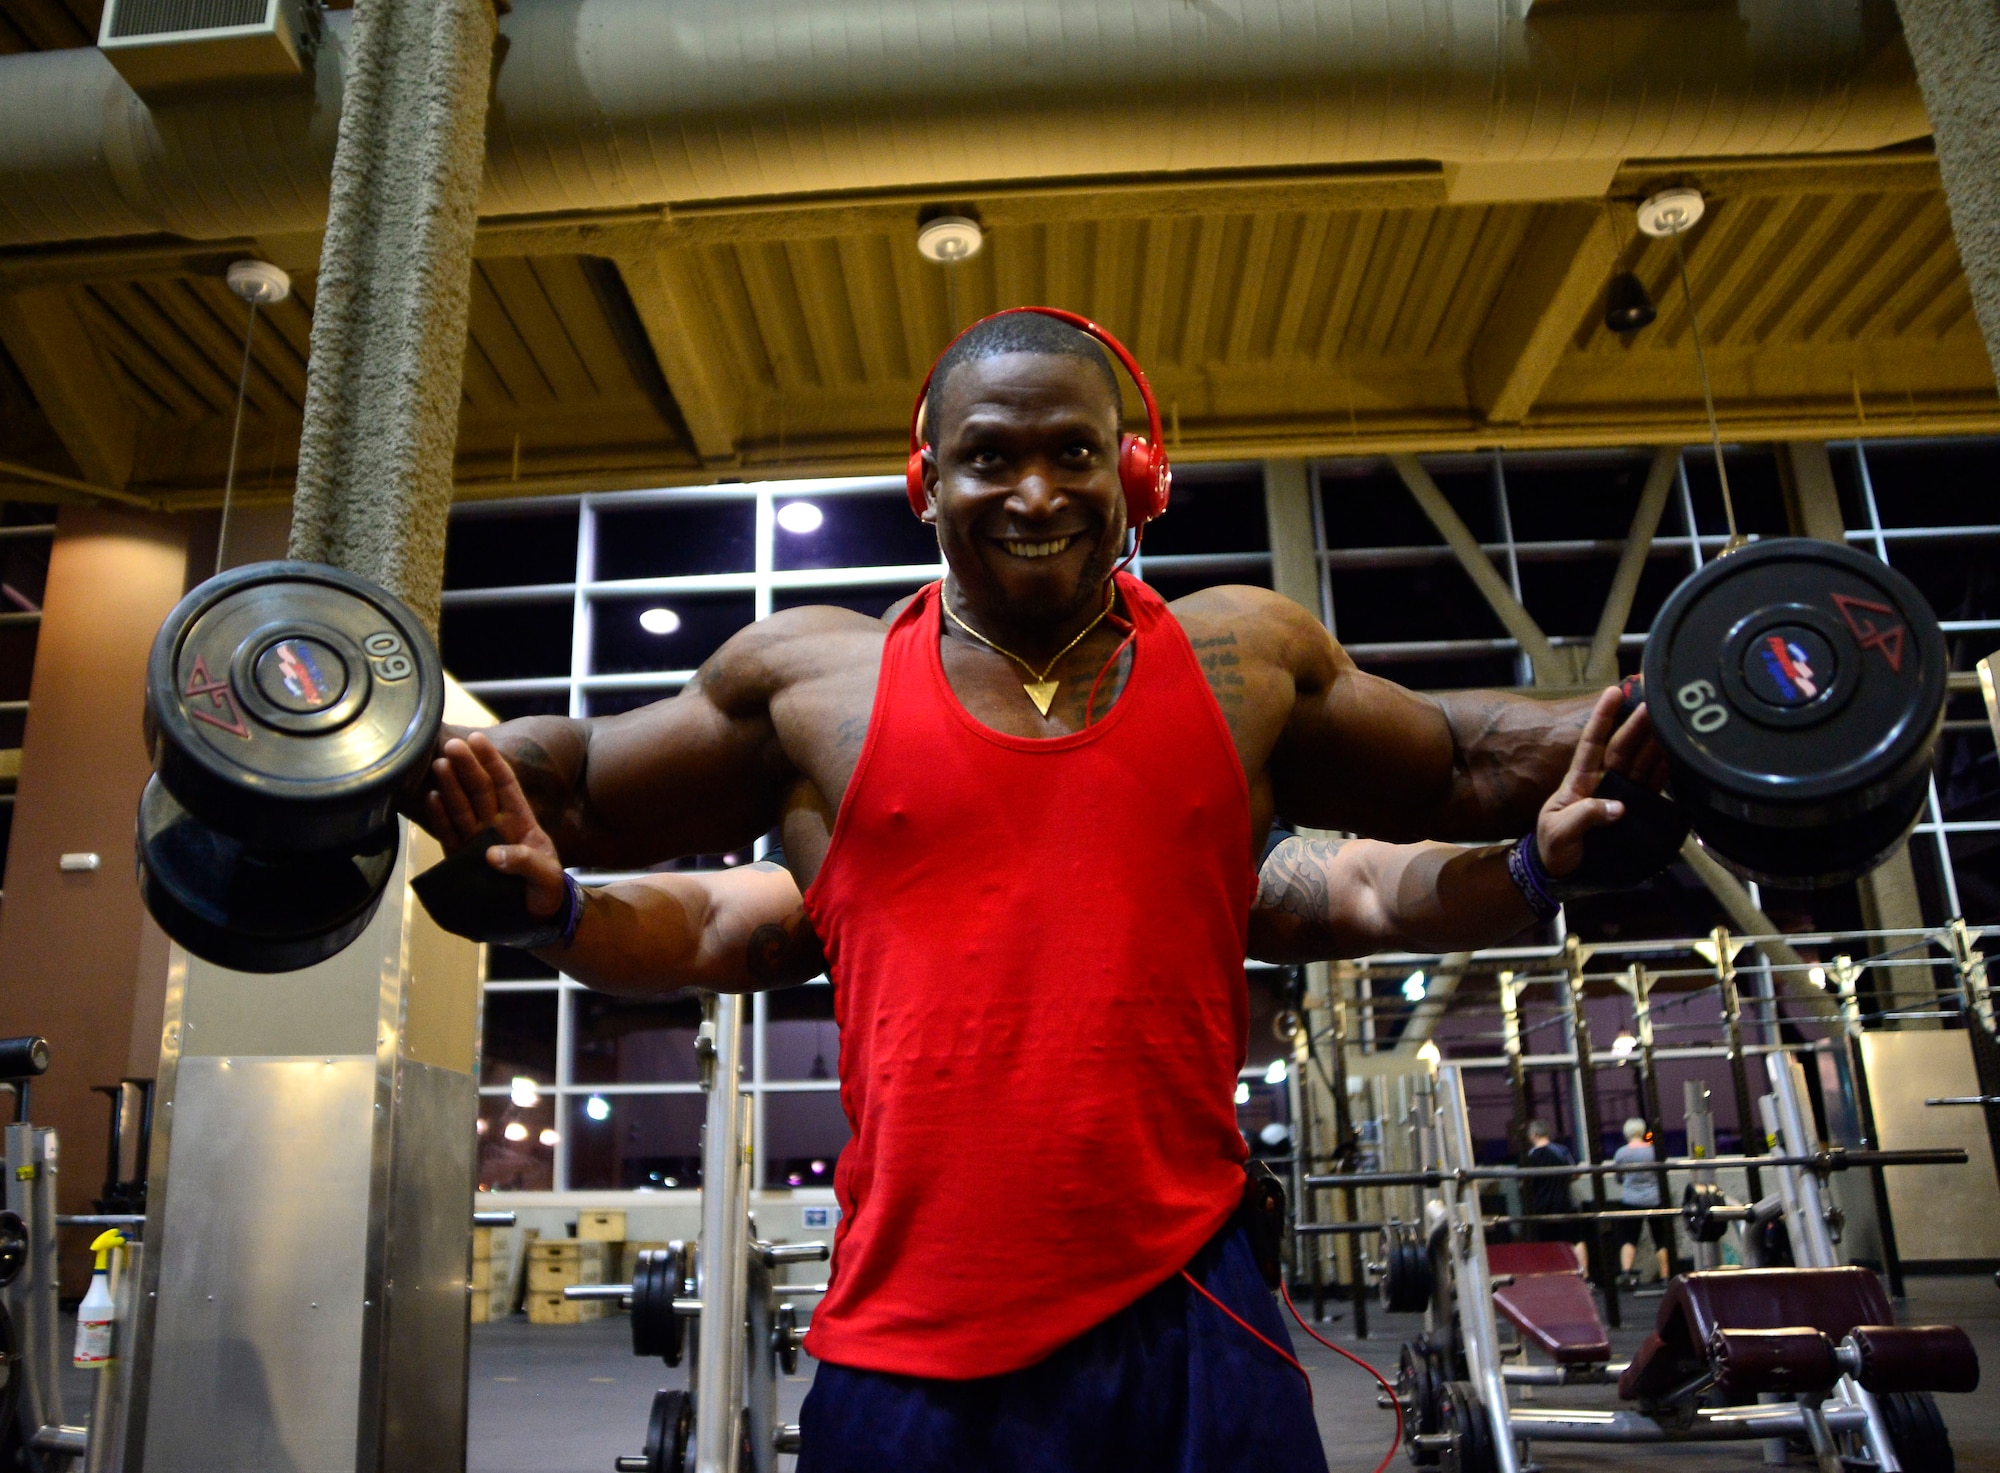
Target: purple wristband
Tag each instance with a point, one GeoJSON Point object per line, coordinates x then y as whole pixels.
{"type": "Point", "coordinates": [573, 906]}
{"type": "Point", "coordinates": [1524, 868]}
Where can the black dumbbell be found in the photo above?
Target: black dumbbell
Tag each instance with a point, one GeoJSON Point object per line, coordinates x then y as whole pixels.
{"type": "Point", "coordinates": [287, 706]}
{"type": "Point", "coordinates": [1798, 688]}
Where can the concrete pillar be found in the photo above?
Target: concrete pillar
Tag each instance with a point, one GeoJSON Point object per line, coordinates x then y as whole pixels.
{"type": "Point", "coordinates": [83, 962]}
{"type": "Point", "coordinates": [1956, 47]}
{"type": "Point", "coordinates": [388, 336]}
{"type": "Point", "coordinates": [308, 1233]}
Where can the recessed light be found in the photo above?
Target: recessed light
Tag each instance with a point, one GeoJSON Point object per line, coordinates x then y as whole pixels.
{"type": "Point", "coordinates": [1671, 212]}
{"type": "Point", "coordinates": [659, 621]}
{"type": "Point", "coordinates": [800, 516]}
{"type": "Point", "coordinates": [515, 1131]}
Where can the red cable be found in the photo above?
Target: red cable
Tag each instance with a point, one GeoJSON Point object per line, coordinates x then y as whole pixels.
{"type": "Point", "coordinates": [1394, 1400]}
{"type": "Point", "coordinates": [1251, 1330]}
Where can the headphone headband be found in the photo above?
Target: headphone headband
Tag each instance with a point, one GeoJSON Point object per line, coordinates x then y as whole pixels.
{"type": "Point", "coordinates": [1142, 463]}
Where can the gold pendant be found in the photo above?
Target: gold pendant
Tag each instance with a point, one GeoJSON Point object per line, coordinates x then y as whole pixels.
{"type": "Point", "coordinates": [1041, 692]}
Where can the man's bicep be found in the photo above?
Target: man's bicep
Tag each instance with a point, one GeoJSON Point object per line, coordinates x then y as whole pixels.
{"type": "Point", "coordinates": [758, 935]}
{"type": "Point", "coordinates": [1315, 903]}
{"type": "Point", "coordinates": [1363, 754]}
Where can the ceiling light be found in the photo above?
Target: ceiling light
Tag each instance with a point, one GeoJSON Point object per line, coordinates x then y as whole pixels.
{"type": "Point", "coordinates": [949, 238]}
{"type": "Point", "coordinates": [659, 621]}
{"type": "Point", "coordinates": [1627, 306]}
{"type": "Point", "coordinates": [1413, 987]}
{"type": "Point", "coordinates": [481, 1126]}
{"type": "Point", "coordinates": [1276, 1073]}
{"type": "Point", "coordinates": [800, 516]}
{"type": "Point", "coordinates": [597, 1107]}
{"type": "Point", "coordinates": [524, 1093]}
{"type": "Point", "coordinates": [1817, 976]}
{"type": "Point", "coordinates": [819, 1168]}
{"type": "Point", "coordinates": [548, 1136]}
{"type": "Point", "coordinates": [1671, 212]}
{"type": "Point", "coordinates": [1242, 1093]}
{"type": "Point", "coordinates": [1429, 1053]}
{"type": "Point", "coordinates": [1622, 1046]}
{"type": "Point", "coordinates": [515, 1131]}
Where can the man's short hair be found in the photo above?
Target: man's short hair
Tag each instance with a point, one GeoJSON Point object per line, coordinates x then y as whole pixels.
{"type": "Point", "coordinates": [1635, 1129]}
{"type": "Point", "coordinates": [1016, 332]}
{"type": "Point", "coordinates": [1538, 1130]}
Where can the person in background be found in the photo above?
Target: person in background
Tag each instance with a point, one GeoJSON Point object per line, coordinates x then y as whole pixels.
{"type": "Point", "coordinates": [1549, 1195]}
{"type": "Point", "coordinates": [1640, 1189]}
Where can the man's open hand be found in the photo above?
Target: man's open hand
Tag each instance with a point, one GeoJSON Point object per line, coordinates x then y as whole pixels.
{"type": "Point", "coordinates": [1572, 811]}
{"type": "Point", "coordinates": [474, 788]}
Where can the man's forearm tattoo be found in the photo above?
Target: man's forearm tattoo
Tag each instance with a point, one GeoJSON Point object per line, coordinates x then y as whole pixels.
{"type": "Point", "coordinates": [784, 952]}
{"type": "Point", "coordinates": [1293, 881]}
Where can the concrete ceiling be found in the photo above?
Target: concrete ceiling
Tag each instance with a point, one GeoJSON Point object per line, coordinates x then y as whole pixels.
{"type": "Point", "coordinates": [1336, 312]}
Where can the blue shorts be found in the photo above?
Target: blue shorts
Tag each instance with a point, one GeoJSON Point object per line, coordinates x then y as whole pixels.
{"type": "Point", "coordinates": [1169, 1385]}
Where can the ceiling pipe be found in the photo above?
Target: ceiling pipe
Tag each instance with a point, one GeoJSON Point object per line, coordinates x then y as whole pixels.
{"type": "Point", "coordinates": [602, 104]}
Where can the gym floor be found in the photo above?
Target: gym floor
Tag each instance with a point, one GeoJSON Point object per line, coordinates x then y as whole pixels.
{"type": "Point", "coordinates": [571, 1399]}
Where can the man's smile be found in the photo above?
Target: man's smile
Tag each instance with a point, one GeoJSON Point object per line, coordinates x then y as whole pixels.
{"type": "Point", "coordinates": [1049, 547]}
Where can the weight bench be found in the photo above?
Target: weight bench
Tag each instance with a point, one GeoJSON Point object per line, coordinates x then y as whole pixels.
{"type": "Point", "coordinates": [1791, 1331]}
{"type": "Point", "coordinates": [1543, 1293]}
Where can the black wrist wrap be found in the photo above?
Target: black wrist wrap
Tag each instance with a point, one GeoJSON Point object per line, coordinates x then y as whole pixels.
{"type": "Point", "coordinates": [468, 897]}
{"type": "Point", "coordinates": [1626, 853]}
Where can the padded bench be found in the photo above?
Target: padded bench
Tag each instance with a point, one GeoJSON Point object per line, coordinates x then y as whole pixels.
{"type": "Point", "coordinates": [1549, 1302]}
{"type": "Point", "coordinates": [1791, 1330]}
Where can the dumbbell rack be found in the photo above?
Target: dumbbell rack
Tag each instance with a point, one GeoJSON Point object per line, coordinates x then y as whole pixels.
{"type": "Point", "coordinates": [1462, 1306]}
{"type": "Point", "coordinates": [744, 1336]}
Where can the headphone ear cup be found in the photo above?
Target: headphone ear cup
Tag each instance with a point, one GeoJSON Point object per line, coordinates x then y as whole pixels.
{"type": "Point", "coordinates": [913, 482]}
{"type": "Point", "coordinates": [1142, 472]}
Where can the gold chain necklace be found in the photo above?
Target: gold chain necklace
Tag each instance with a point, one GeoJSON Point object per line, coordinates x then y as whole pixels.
{"type": "Point", "coordinates": [1041, 690]}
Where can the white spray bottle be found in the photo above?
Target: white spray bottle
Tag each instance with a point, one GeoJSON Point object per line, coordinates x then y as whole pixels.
{"type": "Point", "coordinates": [94, 1315]}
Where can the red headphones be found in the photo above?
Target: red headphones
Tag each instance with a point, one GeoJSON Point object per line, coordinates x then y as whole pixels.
{"type": "Point", "coordinates": [1143, 471]}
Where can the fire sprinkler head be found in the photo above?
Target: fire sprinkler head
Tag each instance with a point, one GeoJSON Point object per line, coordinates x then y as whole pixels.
{"type": "Point", "coordinates": [1671, 212]}
{"type": "Point", "coordinates": [259, 282]}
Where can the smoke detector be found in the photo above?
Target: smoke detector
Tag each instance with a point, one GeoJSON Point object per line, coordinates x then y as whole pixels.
{"type": "Point", "coordinates": [259, 282]}
{"type": "Point", "coordinates": [1671, 212]}
{"type": "Point", "coordinates": [949, 238]}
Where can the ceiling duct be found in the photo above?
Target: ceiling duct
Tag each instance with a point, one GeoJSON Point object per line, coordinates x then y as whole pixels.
{"type": "Point", "coordinates": [162, 46]}
{"type": "Point", "coordinates": [607, 104]}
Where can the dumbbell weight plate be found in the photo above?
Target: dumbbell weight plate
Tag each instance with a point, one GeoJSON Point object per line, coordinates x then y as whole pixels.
{"type": "Point", "coordinates": [1797, 687]}
{"type": "Point", "coordinates": [287, 703]}
{"type": "Point", "coordinates": [252, 911]}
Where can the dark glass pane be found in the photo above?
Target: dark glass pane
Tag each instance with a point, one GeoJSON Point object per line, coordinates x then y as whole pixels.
{"type": "Point", "coordinates": [1212, 511]}
{"type": "Point", "coordinates": [800, 1039]}
{"type": "Point", "coordinates": [518, 1037]}
{"type": "Point", "coordinates": [1364, 504]}
{"type": "Point", "coordinates": [874, 601]}
{"type": "Point", "coordinates": [513, 1157]}
{"type": "Point", "coordinates": [619, 1040]}
{"type": "Point", "coordinates": [616, 702]}
{"type": "Point", "coordinates": [505, 964]}
{"type": "Point", "coordinates": [1385, 605]}
{"type": "Point", "coordinates": [1975, 864]}
{"type": "Point", "coordinates": [1941, 484]}
{"type": "Point", "coordinates": [700, 623]}
{"type": "Point", "coordinates": [644, 1141]}
{"type": "Point", "coordinates": [1467, 483]}
{"type": "Point", "coordinates": [24, 571]}
{"type": "Point", "coordinates": [1968, 770]}
{"type": "Point", "coordinates": [27, 513]}
{"type": "Point", "coordinates": [490, 551]}
{"type": "Point", "coordinates": [804, 1135]}
{"type": "Point", "coordinates": [1753, 487]}
{"type": "Point", "coordinates": [1960, 578]}
{"type": "Point", "coordinates": [17, 660]}
{"type": "Point", "coordinates": [854, 532]}
{"type": "Point", "coordinates": [512, 708]}
{"type": "Point", "coordinates": [1461, 674]}
{"type": "Point", "coordinates": [1569, 498]}
{"type": "Point", "coordinates": [1664, 572]}
{"type": "Point", "coordinates": [1567, 597]}
{"type": "Point", "coordinates": [506, 642]}
{"type": "Point", "coordinates": [678, 539]}
{"type": "Point", "coordinates": [1171, 586]}
{"type": "Point", "coordinates": [1847, 481]}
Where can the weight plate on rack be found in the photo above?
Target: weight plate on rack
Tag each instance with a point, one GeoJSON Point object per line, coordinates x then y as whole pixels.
{"type": "Point", "coordinates": [287, 703]}
{"type": "Point", "coordinates": [253, 911]}
{"type": "Point", "coordinates": [656, 1283]}
{"type": "Point", "coordinates": [1797, 687]}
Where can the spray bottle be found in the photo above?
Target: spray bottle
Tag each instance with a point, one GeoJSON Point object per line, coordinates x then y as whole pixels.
{"type": "Point", "coordinates": [94, 1315]}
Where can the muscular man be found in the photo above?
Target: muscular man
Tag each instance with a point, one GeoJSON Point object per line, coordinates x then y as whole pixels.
{"type": "Point", "coordinates": [1033, 899]}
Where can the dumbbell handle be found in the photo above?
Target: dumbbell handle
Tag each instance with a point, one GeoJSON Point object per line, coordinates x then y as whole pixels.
{"type": "Point", "coordinates": [689, 1307]}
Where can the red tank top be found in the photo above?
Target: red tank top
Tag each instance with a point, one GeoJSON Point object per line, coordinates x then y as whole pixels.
{"type": "Point", "coordinates": [1036, 949]}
